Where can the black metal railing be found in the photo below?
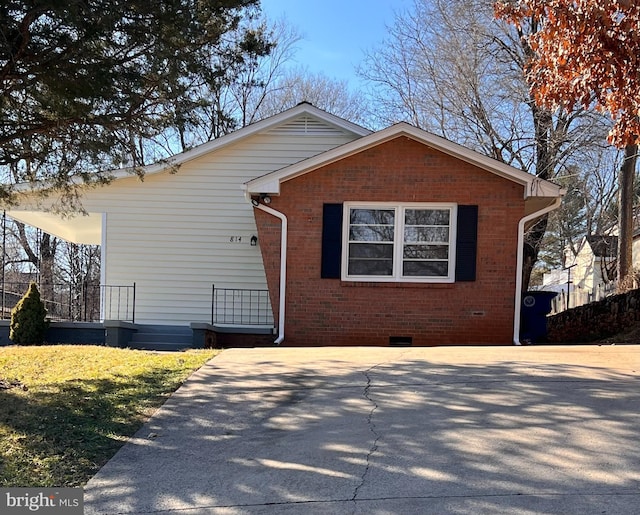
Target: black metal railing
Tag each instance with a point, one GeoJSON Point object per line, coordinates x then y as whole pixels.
{"type": "Point", "coordinates": [240, 307]}
{"type": "Point", "coordinates": [82, 302]}
{"type": "Point", "coordinates": [119, 302]}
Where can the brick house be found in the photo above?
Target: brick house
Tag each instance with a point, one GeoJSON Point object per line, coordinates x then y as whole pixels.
{"type": "Point", "coordinates": [399, 237]}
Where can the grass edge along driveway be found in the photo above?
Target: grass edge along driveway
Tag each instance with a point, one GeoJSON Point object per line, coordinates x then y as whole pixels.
{"type": "Point", "coordinates": [66, 409]}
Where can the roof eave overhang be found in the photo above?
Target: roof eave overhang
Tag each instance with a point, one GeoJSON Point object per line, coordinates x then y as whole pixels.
{"type": "Point", "coordinates": [539, 204]}
{"type": "Point", "coordinates": [80, 228]}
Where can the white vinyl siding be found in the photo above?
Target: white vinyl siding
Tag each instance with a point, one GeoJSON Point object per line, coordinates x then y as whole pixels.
{"type": "Point", "coordinates": [171, 234]}
{"type": "Point", "coordinates": [399, 242]}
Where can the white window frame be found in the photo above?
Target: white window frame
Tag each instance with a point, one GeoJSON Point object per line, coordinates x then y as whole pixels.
{"type": "Point", "coordinates": [399, 208]}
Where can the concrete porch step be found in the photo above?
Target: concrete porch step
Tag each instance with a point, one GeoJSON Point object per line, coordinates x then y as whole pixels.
{"type": "Point", "coordinates": [161, 338]}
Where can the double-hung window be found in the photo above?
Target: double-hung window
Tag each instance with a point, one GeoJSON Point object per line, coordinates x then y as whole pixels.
{"type": "Point", "coordinates": [399, 242]}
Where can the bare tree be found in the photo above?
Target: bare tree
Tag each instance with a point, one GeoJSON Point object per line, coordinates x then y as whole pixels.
{"type": "Point", "coordinates": [332, 95]}
{"type": "Point", "coordinates": [233, 96]}
{"type": "Point", "coordinates": [260, 85]}
{"type": "Point", "coordinates": [38, 249]}
{"type": "Point", "coordinates": [262, 80]}
{"type": "Point", "coordinates": [78, 269]}
{"type": "Point", "coordinates": [588, 208]}
{"type": "Point", "coordinates": [450, 67]}
{"type": "Point", "coordinates": [68, 274]}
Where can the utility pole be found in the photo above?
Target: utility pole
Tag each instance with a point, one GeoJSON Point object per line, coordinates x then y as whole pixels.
{"type": "Point", "coordinates": [568, 269]}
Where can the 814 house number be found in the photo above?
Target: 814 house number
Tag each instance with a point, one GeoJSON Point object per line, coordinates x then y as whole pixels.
{"type": "Point", "coordinates": [235, 239]}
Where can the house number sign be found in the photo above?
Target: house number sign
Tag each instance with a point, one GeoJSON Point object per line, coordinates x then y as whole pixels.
{"type": "Point", "coordinates": [235, 239]}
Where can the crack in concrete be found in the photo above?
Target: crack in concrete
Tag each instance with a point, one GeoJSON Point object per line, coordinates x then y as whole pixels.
{"type": "Point", "coordinates": [372, 428]}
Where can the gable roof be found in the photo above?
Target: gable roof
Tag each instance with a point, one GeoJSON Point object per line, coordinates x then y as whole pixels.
{"type": "Point", "coordinates": [533, 186]}
{"type": "Point", "coordinates": [313, 113]}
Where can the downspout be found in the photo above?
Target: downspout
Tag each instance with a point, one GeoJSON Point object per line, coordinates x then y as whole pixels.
{"type": "Point", "coordinates": [103, 266]}
{"type": "Point", "coordinates": [519, 264]}
{"type": "Point", "coordinates": [283, 265]}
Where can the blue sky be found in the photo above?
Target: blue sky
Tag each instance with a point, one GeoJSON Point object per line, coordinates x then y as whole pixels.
{"type": "Point", "coordinates": [335, 32]}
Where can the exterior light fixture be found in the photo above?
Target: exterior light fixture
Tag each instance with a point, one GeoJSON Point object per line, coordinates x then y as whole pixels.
{"type": "Point", "coordinates": [254, 240]}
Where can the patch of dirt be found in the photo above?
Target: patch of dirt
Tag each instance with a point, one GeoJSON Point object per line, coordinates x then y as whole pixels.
{"type": "Point", "coordinates": [6, 384]}
{"type": "Point", "coordinates": [628, 336]}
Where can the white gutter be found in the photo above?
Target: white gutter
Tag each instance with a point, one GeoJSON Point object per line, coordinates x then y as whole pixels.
{"type": "Point", "coordinates": [519, 263]}
{"type": "Point", "coordinates": [283, 266]}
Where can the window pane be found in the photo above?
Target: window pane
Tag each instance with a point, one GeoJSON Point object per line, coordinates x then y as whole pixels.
{"type": "Point", "coordinates": [426, 217]}
{"type": "Point", "coordinates": [370, 267]}
{"type": "Point", "coordinates": [425, 269]}
{"type": "Point", "coordinates": [371, 225]}
{"type": "Point", "coordinates": [372, 216]}
{"type": "Point", "coordinates": [371, 233]}
{"type": "Point", "coordinates": [429, 234]}
{"type": "Point", "coordinates": [371, 250]}
{"type": "Point", "coordinates": [426, 252]}
{"type": "Point", "coordinates": [370, 259]}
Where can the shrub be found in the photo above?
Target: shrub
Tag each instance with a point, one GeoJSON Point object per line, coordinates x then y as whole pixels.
{"type": "Point", "coordinates": [28, 319]}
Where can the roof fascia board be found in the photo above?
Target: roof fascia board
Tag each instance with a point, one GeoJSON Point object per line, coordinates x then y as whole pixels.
{"type": "Point", "coordinates": [534, 187]}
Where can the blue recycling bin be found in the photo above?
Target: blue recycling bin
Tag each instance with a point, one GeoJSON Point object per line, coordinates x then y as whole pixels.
{"type": "Point", "coordinates": [536, 305]}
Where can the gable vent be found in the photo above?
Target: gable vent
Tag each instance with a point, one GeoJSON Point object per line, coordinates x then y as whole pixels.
{"type": "Point", "coordinates": [307, 126]}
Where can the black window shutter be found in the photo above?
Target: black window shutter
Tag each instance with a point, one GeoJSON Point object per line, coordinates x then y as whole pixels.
{"type": "Point", "coordinates": [331, 241]}
{"type": "Point", "coordinates": [466, 243]}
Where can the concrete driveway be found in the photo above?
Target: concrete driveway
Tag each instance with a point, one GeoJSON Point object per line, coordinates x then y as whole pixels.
{"type": "Point", "coordinates": [449, 430]}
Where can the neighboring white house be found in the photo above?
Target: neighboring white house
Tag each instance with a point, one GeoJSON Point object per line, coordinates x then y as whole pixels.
{"type": "Point", "coordinates": [592, 271]}
{"type": "Point", "coordinates": [595, 262]}
{"type": "Point", "coordinates": [586, 275]}
{"type": "Point", "coordinates": [177, 234]}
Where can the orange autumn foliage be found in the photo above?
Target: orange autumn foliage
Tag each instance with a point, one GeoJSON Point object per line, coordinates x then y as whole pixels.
{"type": "Point", "coordinates": [587, 54]}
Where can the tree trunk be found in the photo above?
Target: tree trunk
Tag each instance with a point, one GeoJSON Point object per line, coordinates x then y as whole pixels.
{"type": "Point", "coordinates": [625, 217]}
{"type": "Point", "coordinates": [542, 123]}
{"type": "Point", "coordinates": [42, 256]}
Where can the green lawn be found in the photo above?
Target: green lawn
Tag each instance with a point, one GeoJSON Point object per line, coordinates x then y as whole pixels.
{"type": "Point", "coordinates": [66, 409]}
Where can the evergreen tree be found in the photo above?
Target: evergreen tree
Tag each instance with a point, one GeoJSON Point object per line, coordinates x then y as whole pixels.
{"type": "Point", "coordinates": [85, 85]}
{"type": "Point", "coordinates": [28, 319]}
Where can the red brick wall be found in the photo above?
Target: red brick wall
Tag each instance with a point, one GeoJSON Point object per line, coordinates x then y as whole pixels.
{"type": "Point", "coordinates": [332, 312]}
{"type": "Point", "coordinates": [235, 340]}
